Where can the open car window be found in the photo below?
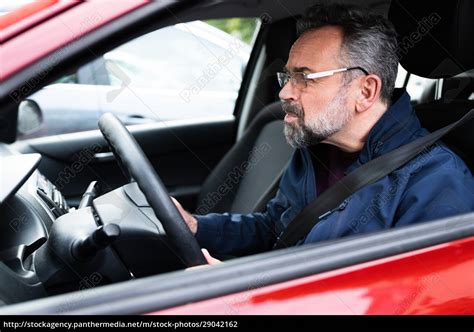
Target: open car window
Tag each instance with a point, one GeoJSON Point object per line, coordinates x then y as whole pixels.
{"type": "Point", "coordinates": [420, 89]}
{"type": "Point", "coordinates": [185, 71]}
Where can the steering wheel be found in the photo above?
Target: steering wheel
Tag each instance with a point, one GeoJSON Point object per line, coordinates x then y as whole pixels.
{"type": "Point", "coordinates": [134, 163]}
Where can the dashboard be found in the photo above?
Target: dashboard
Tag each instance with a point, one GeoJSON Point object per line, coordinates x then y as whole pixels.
{"type": "Point", "coordinates": [47, 247]}
{"type": "Point", "coordinates": [51, 196]}
{"type": "Point", "coordinates": [29, 205]}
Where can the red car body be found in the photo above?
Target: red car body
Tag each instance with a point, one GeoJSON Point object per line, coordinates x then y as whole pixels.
{"type": "Point", "coordinates": [430, 281]}
{"type": "Point", "coordinates": [433, 280]}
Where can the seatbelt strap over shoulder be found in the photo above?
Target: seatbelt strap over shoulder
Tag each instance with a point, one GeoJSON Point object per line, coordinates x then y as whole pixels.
{"type": "Point", "coordinates": [366, 174]}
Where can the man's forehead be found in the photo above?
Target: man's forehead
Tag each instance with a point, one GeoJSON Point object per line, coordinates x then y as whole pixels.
{"type": "Point", "coordinates": [315, 50]}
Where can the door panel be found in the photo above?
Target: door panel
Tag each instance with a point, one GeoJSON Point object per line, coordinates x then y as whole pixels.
{"type": "Point", "coordinates": [182, 152]}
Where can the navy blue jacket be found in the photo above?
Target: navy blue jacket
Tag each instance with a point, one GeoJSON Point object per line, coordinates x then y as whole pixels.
{"type": "Point", "coordinates": [435, 184]}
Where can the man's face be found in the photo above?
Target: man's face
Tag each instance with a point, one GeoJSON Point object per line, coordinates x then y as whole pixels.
{"type": "Point", "coordinates": [319, 110]}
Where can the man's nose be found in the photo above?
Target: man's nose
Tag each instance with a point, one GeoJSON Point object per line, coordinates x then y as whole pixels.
{"type": "Point", "coordinates": [288, 92]}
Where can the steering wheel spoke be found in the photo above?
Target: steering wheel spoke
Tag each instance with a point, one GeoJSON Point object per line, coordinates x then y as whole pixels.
{"type": "Point", "coordinates": [134, 162]}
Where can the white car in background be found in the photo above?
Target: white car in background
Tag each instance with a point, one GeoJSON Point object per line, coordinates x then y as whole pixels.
{"type": "Point", "coordinates": [188, 70]}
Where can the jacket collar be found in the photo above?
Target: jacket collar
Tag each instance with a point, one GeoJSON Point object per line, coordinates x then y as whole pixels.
{"type": "Point", "coordinates": [397, 126]}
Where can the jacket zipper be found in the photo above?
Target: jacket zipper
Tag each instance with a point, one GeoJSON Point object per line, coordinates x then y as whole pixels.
{"type": "Point", "coordinates": [341, 207]}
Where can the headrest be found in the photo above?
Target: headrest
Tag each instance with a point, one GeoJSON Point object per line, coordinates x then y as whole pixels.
{"type": "Point", "coordinates": [435, 37]}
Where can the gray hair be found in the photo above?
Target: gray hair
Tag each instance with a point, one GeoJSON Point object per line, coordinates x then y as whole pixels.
{"type": "Point", "coordinates": [369, 41]}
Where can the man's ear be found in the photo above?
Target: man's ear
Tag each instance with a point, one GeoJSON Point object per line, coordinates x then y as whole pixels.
{"type": "Point", "coordinates": [369, 92]}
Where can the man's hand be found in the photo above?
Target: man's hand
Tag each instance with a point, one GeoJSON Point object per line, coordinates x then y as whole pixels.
{"type": "Point", "coordinates": [188, 218]}
{"type": "Point", "coordinates": [192, 224]}
{"type": "Point", "coordinates": [210, 260]}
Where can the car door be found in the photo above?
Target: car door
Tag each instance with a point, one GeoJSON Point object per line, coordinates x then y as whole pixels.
{"type": "Point", "coordinates": [178, 105]}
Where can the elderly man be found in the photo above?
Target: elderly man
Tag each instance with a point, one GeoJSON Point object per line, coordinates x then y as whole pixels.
{"type": "Point", "coordinates": [338, 90]}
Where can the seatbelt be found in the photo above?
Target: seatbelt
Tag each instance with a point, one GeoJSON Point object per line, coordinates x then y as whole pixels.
{"type": "Point", "coordinates": [366, 174]}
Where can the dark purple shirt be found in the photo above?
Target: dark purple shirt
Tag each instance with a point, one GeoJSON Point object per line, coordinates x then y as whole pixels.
{"type": "Point", "coordinates": [330, 164]}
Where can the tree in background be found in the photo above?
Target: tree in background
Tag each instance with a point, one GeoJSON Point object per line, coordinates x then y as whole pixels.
{"type": "Point", "coordinates": [242, 28]}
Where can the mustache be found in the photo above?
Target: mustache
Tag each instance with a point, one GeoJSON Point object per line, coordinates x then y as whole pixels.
{"type": "Point", "coordinates": [293, 109]}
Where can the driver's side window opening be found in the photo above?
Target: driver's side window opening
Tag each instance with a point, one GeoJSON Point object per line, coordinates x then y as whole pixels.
{"type": "Point", "coordinates": [185, 71]}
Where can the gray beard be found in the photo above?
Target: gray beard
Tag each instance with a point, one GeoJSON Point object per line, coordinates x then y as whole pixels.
{"type": "Point", "coordinates": [330, 121]}
{"type": "Point", "coordinates": [301, 136]}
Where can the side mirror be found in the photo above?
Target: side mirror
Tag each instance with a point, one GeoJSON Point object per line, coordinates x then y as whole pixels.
{"type": "Point", "coordinates": [30, 118]}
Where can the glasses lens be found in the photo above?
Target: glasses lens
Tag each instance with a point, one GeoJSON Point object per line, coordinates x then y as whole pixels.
{"type": "Point", "coordinates": [283, 78]}
{"type": "Point", "coordinates": [299, 80]}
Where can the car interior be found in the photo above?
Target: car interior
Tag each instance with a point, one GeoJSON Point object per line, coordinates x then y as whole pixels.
{"type": "Point", "coordinates": [92, 208]}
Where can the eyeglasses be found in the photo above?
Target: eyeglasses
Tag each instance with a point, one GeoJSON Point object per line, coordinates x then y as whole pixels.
{"type": "Point", "coordinates": [300, 80]}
